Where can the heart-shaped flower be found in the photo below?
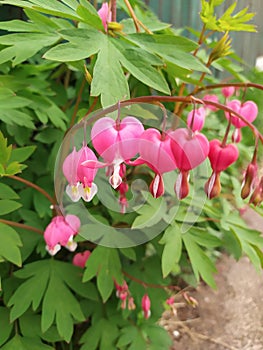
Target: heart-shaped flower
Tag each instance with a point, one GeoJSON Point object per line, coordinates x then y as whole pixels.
{"type": "Point", "coordinates": [249, 110]}
{"type": "Point", "coordinates": [189, 150]}
{"type": "Point", "coordinates": [116, 142]}
{"type": "Point", "coordinates": [155, 151]}
{"type": "Point", "coordinates": [221, 157]}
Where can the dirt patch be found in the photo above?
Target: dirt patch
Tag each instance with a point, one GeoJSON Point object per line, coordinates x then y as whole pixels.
{"type": "Point", "coordinates": [230, 317]}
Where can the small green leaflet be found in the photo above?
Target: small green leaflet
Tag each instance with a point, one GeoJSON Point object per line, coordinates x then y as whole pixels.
{"type": "Point", "coordinates": [172, 250]}
{"type": "Point", "coordinates": [6, 192]}
{"type": "Point", "coordinates": [10, 243]}
{"type": "Point", "coordinates": [105, 264]}
{"type": "Point", "coordinates": [21, 154]}
{"type": "Point", "coordinates": [25, 343]}
{"type": "Point", "coordinates": [5, 151]}
{"type": "Point", "coordinates": [53, 284]}
{"type": "Point", "coordinates": [8, 206]}
{"type": "Point", "coordinates": [6, 326]}
{"type": "Point", "coordinates": [201, 264]}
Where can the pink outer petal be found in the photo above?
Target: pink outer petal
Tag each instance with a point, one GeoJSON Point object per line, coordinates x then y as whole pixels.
{"type": "Point", "coordinates": [248, 110]}
{"type": "Point", "coordinates": [74, 222]}
{"type": "Point", "coordinates": [228, 91]}
{"type": "Point", "coordinates": [156, 152]}
{"type": "Point", "coordinates": [70, 167]}
{"type": "Point", "coordinates": [189, 151]}
{"type": "Point", "coordinates": [94, 164]}
{"type": "Point", "coordinates": [212, 98]}
{"type": "Point", "coordinates": [116, 142]}
{"type": "Point", "coordinates": [86, 175]}
{"type": "Point", "coordinates": [105, 14]}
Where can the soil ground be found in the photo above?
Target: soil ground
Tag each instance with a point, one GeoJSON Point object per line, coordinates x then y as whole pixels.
{"type": "Point", "coordinates": [230, 317]}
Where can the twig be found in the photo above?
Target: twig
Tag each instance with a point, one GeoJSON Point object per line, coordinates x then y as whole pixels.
{"type": "Point", "coordinates": [36, 187]}
{"type": "Point", "coordinates": [136, 21]}
{"type": "Point", "coordinates": [23, 226]}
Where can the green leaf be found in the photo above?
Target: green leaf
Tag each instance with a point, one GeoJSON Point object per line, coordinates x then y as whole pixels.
{"type": "Point", "coordinates": [158, 337]}
{"type": "Point", "coordinates": [49, 289]}
{"type": "Point", "coordinates": [13, 168]}
{"type": "Point", "coordinates": [25, 343]}
{"type": "Point", "coordinates": [173, 49]}
{"type": "Point", "coordinates": [105, 264]}
{"type": "Point", "coordinates": [201, 264]}
{"type": "Point", "coordinates": [6, 326]}
{"type": "Point", "coordinates": [150, 213]}
{"type": "Point", "coordinates": [16, 117]}
{"type": "Point", "coordinates": [172, 250]}
{"type": "Point", "coordinates": [139, 63]}
{"type": "Point", "coordinates": [21, 154]}
{"type": "Point", "coordinates": [6, 192]}
{"type": "Point", "coordinates": [89, 15]}
{"type": "Point", "coordinates": [130, 253]}
{"type": "Point", "coordinates": [10, 243]}
{"type": "Point", "coordinates": [24, 45]}
{"type": "Point", "coordinates": [5, 151]}
{"type": "Point", "coordinates": [108, 78]}
{"type": "Point", "coordinates": [8, 206]}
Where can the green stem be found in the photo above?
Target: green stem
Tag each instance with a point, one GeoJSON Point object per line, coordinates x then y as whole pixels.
{"type": "Point", "coordinates": [75, 111]}
{"type": "Point", "coordinates": [23, 226]}
{"type": "Point", "coordinates": [36, 187]}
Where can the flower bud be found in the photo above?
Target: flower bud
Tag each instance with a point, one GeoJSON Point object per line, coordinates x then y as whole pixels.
{"type": "Point", "coordinates": [146, 305]}
{"type": "Point", "coordinates": [236, 136]}
{"type": "Point", "coordinates": [257, 196]}
{"type": "Point", "coordinates": [228, 91]}
{"type": "Point", "coordinates": [249, 180]}
{"type": "Point", "coordinates": [213, 186]}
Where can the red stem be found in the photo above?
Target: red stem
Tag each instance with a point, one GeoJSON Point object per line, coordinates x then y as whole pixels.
{"type": "Point", "coordinates": [23, 226]}
{"type": "Point", "coordinates": [36, 187]}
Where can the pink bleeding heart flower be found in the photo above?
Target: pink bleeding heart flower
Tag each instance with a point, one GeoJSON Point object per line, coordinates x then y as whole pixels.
{"type": "Point", "coordinates": [116, 142]}
{"type": "Point", "coordinates": [146, 306]}
{"type": "Point", "coordinates": [257, 195]}
{"type": "Point", "coordinates": [189, 151]}
{"type": "Point", "coordinates": [196, 119]}
{"type": "Point", "coordinates": [212, 98]}
{"type": "Point", "coordinates": [105, 15]}
{"type": "Point", "coordinates": [248, 110]}
{"type": "Point", "coordinates": [80, 179]}
{"type": "Point", "coordinates": [123, 189]}
{"type": "Point", "coordinates": [221, 157]}
{"type": "Point", "coordinates": [69, 168]}
{"type": "Point", "coordinates": [86, 176]}
{"type": "Point", "coordinates": [80, 259]}
{"type": "Point", "coordinates": [60, 232]}
{"type": "Point", "coordinates": [228, 91]}
{"type": "Point", "coordinates": [155, 151]}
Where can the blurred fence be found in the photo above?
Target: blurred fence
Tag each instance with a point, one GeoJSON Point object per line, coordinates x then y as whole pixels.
{"type": "Point", "coordinates": [183, 13]}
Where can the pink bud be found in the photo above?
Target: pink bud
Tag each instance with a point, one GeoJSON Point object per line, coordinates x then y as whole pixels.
{"type": "Point", "coordinates": [228, 91]}
{"type": "Point", "coordinates": [105, 15]}
{"type": "Point", "coordinates": [80, 259]}
{"type": "Point", "coordinates": [212, 98]}
{"type": "Point", "coordinates": [189, 150]}
{"type": "Point", "coordinates": [249, 180]}
{"type": "Point", "coordinates": [213, 186]}
{"type": "Point", "coordinates": [248, 110]}
{"type": "Point", "coordinates": [170, 301]}
{"type": "Point", "coordinates": [196, 119]}
{"type": "Point", "coordinates": [131, 305]}
{"type": "Point", "coordinates": [146, 305]}
{"type": "Point", "coordinates": [221, 157]}
{"type": "Point", "coordinates": [257, 196]}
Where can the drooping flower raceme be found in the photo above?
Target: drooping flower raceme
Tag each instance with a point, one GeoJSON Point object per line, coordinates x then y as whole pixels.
{"type": "Point", "coordinates": [189, 150]}
{"type": "Point", "coordinates": [116, 142]}
{"type": "Point", "coordinates": [221, 157]}
{"type": "Point", "coordinates": [80, 179]}
{"type": "Point", "coordinates": [155, 151]}
{"type": "Point", "coordinates": [60, 232]}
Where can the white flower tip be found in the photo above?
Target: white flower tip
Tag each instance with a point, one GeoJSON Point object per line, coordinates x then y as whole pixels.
{"type": "Point", "coordinates": [53, 251]}
{"type": "Point", "coordinates": [87, 193]}
{"type": "Point", "coordinates": [73, 192]}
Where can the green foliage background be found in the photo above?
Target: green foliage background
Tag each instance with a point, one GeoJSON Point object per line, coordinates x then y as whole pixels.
{"type": "Point", "coordinates": [55, 66]}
